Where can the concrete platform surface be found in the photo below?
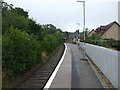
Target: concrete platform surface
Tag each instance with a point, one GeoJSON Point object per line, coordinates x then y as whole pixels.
{"type": "Point", "coordinates": [63, 76]}
{"type": "Point", "coordinates": [75, 73]}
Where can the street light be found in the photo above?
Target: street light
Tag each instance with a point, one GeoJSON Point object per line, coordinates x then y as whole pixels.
{"type": "Point", "coordinates": [79, 25]}
{"type": "Point", "coordinates": [78, 33]}
{"type": "Point", "coordinates": [84, 56]}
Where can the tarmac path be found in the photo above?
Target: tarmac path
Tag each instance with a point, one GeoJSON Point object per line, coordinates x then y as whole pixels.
{"type": "Point", "coordinates": [82, 74]}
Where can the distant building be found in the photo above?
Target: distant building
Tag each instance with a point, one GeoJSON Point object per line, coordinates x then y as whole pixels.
{"type": "Point", "coordinates": [91, 32]}
{"type": "Point", "coordinates": [110, 31]}
{"type": "Point", "coordinates": [73, 36]}
{"type": "Point", "coordinates": [70, 37]}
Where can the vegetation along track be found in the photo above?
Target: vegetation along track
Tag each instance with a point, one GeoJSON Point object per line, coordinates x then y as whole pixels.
{"type": "Point", "coordinates": [40, 77]}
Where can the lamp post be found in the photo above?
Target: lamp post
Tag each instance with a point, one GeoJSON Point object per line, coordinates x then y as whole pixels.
{"type": "Point", "coordinates": [78, 33]}
{"type": "Point", "coordinates": [79, 25]}
{"type": "Point", "coordinates": [84, 56]}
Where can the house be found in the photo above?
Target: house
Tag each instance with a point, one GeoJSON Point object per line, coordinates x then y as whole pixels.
{"type": "Point", "coordinates": [110, 31]}
{"type": "Point", "coordinates": [113, 31]}
{"type": "Point", "coordinates": [91, 32]}
{"type": "Point", "coordinates": [73, 36]}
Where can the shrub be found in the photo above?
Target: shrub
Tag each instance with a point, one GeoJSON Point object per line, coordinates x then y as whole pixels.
{"type": "Point", "coordinates": [51, 41]}
{"type": "Point", "coordinates": [20, 51]}
{"type": "Point", "coordinates": [74, 42]}
{"type": "Point", "coordinates": [94, 36]}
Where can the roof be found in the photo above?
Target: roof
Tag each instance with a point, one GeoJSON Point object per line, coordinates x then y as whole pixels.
{"type": "Point", "coordinates": [102, 29]}
{"type": "Point", "coordinates": [73, 35]}
{"type": "Point", "coordinates": [91, 31]}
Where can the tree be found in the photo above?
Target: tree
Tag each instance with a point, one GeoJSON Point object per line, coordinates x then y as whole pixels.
{"type": "Point", "coordinates": [94, 36]}
{"type": "Point", "coordinates": [14, 17]}
{"type": "Point", "coordinates": [24, 41]}
{"type": "Point", "coordinates": [35, 29]}
{"type": "Point", "coordinates": [20, 11]}
{"type": "Point", "coordinates": [49, 28]}
{"type": "Point", "coordinates": [65, 35]}
{"type": "Point", "coordinates": [20, 51]}
{"type": "Point", "coordinates": [11, 19]}
{"type": "Point", "coordinates": [86, 34]}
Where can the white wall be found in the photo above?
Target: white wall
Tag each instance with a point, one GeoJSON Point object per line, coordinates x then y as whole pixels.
{"type": "Point", "coordinates": [106, 60]}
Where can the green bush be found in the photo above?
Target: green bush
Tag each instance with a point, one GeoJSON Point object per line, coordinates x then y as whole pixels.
{"type": "Point", "coordinates": [94, 36]}
{"type": "Point", "coordinates": [74, 42]}
{"type": "Point", "coordinates": [25, 43]}
{"type": "Point", "coordinates": [20, 51]}
{"type": "Point", "coordinates": [51, 41]}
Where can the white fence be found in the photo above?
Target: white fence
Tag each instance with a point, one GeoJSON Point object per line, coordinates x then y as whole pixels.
{"type": "Point", "coordinates": [105, 59]}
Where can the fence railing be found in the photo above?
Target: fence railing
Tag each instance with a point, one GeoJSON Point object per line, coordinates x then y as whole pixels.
{"type": "Point", "coordinates": [113, 44]}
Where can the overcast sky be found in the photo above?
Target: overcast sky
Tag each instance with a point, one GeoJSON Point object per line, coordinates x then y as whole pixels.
{"type": "Point", "coordinates": [64, 14]}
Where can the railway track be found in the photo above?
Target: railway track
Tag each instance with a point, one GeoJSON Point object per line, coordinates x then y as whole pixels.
{"type": "Point", "coordinates": [41, 76]}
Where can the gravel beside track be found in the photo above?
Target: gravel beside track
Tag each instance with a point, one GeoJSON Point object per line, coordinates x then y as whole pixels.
{"type": "Point", "coordinates": [39, 78]}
